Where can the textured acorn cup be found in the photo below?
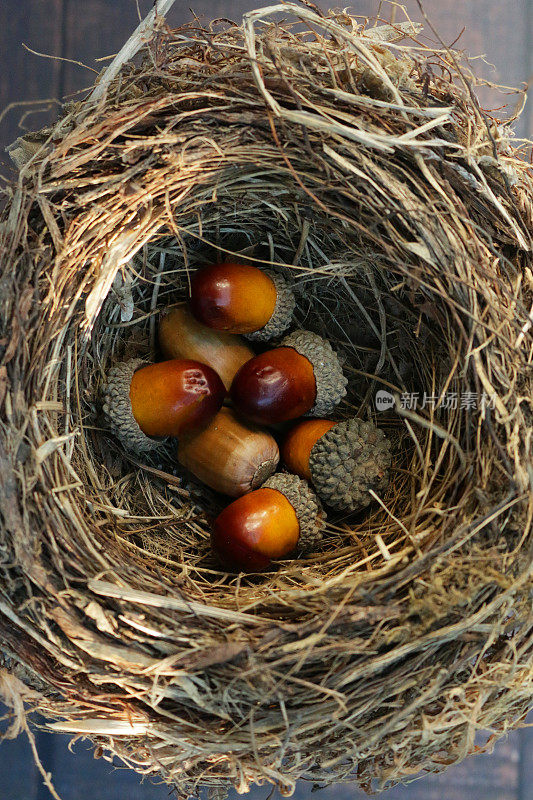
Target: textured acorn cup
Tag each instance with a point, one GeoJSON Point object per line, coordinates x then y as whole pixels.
{"type": "Point", "coordinates": [239, 298]}
{"type": "Point", "coordinates": [118, 411]}
{"type": "Point", "coordinates": [268, 524]}
{"type": "Point", "coordinates": [182, 336]}
{"type": "Point", "coordinates": [347, 461]}
{"type": "Point", "coordinates": [162, 399]}
{"type": "Point", "coordinates": [301, 376]}
{"type": "Point", "coordinates": [229, 455]}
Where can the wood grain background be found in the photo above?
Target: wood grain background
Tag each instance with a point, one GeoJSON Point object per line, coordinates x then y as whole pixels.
{"type": "Point", "coordinates": [30, 87]}
{"type": "Point", "coordinates": [498, 32]}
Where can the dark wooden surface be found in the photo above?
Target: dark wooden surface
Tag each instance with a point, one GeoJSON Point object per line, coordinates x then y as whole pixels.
{"type": "Point", "coordinates": [500, 32]}
{"type": "Point", "coordinates": [85, 30]}
{"type": "Point", "coordinates": [506, 774]}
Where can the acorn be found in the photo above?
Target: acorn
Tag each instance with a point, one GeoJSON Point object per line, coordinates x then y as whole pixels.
{"type": "Point", "coordinates": [151, 400]}
{"type": "Point", "coordinates": [299, 442]}
{"type": "Point", "coordinates": [343, 460]}
{"type": "Point", "coordinates": [268, 524]}
{"type": "Point", "coordinates": [301, 376]}
{"type": "Point", "coordinates": [229, 455]}
{"type": "Point", "coordinates": [240, 298]}
{"type": "Point", "coordinates": [182, 336]}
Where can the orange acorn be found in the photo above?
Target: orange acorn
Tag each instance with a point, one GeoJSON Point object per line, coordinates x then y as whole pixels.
{"type": "Point", "coordinates": [267, 524]}
{"type": "Point", "coordinates": [302, 376]}
{"type": "Point", "coordinates": [239, 298]}
{"type": "Point", "coordinates": [343, 460]}
{"type": "Point", "coordinates": [182, 336]}
{"type": "Point", "coordinates": [149, 400]}
{"type": "Point", "coordinates": [300, 441]}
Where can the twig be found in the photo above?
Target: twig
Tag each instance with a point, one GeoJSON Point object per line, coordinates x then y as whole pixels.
{"type": "Point", "coordinates": [141, 35]}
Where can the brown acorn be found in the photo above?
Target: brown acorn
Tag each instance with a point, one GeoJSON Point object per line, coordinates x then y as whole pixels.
{"type": "Point", "coordinates": [268, 524]}
{"type": "Point", "coordinates": [301, 376]}
{"type": "Point", "coordinates": [154, 400]}
{"type": "Point", "coordinates": [182, 336]}
{"type": "Point", "coordinates": [230, 456]}
{"type": "Point", "coordinates": [343, 460]}
{"type": "Point", "coordinates": [300, 441]}
{"type": "Point", "coordinates": [240, 298]}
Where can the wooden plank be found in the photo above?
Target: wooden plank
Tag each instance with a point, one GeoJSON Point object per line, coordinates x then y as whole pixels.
{"type": "Point", "coordinates": [46, 748]}
{"type": "Point", "coordinates": [493, 29]}
{"type": "Point", "coordinates": [498, 31]}
{"type": "Point", "coordinates": [484, 777]}
{"type": "Point", "coordinates": [18, 775]}
{"type": "Point", "coordinates": [95, 28]}
{"type": "Point", "coordinates": [528, 28]}
{"type": "Point", "coordinates": [77, 775]}
{"type": "Point", "coordinates": [525, 774]}
{"type": "Point", "coordinates": [24, 76]}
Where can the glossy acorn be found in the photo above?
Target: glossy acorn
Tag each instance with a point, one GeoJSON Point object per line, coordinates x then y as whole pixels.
{"type": "Point", "coordinates": [343, 460]}
{"type": "Point", "coordinates": [229, 455]}
{"type": "Point", "coordinates": [239, 298]}
{"type": "Point", "coordinates": [299, 442]}
{"type": "Point", "coordinates": [182, 336]}
{"type": "Point", "coordinates": [268, 524]}
{"type": "Point", "coordinates": [301, 376]}
{"type": "Point", "coordinates": [155, 400]}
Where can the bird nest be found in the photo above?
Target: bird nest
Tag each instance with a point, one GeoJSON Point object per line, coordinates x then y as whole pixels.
{"type": "Point", "coordinates": [359, 163]}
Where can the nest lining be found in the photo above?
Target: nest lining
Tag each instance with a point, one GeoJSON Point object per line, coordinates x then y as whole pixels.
{"type": "Point", "coordinates": [402, 215]}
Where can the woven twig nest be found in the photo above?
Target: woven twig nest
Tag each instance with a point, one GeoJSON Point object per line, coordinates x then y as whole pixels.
{"type": "Point", "coordinates": [402, 214]}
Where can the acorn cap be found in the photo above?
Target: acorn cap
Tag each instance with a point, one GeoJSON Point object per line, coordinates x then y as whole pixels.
{"type": "Point", "coordinates": [348, 460]}
{"type": "Point", "coordinates": [306, 504]}
{"type": "Point", "coordinates": [282, 314]}
{"type": "Point", "coordinates": [117, 407]}
{"type": "Point", "coordinates": [329, 378]}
